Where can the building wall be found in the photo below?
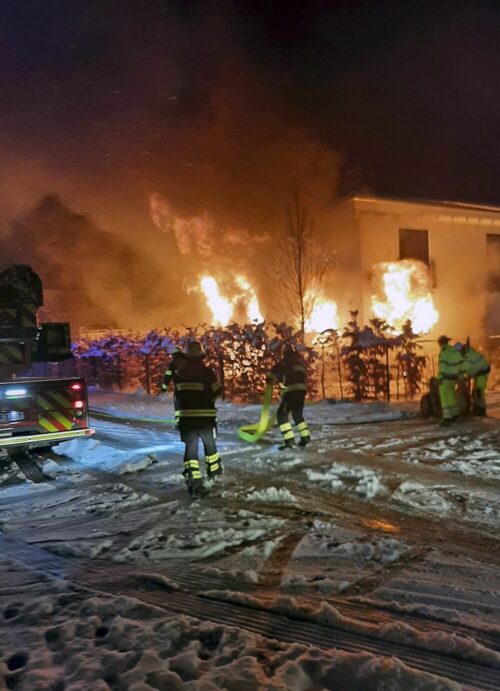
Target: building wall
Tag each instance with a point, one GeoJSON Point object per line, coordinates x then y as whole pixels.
{"type": "Point", "coordinates": [366, 231]}
{"type": "Point", "coordinates": [341, 233]}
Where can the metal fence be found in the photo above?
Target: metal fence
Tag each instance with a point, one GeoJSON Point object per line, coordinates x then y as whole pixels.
{"type": "Point", "coordinates": [328, 375]}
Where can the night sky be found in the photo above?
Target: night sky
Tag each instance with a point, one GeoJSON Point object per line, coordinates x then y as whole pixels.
{"type": "Point", "coordinates": [222, 107]}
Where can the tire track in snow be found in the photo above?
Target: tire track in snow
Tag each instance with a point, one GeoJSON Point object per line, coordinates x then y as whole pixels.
{"type": "Point", "coordinates": [269, 624]}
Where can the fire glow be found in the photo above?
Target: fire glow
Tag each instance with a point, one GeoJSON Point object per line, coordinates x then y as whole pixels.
{"type": "Point", "coordinates": [243, 306]}
{"type": "Point", "coordinates": [323, 316]}
{"type": "Point", "coordinates": [403, 292]}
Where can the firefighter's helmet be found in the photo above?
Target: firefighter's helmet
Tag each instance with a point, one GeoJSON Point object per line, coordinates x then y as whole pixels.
{"type": "Point", "coordinates": [443, 340]}
{"type": "Point", "coordinates": [194, 349]}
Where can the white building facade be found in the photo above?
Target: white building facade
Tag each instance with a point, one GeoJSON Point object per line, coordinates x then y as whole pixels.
{"type": "Point", "coordinates": [459, 244]}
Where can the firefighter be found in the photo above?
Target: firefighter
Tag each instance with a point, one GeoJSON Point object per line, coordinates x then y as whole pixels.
{"type": "Point", "coordinates": [449, 372]}
{"type": "Point", "coordinates": [290, 373]}
{"type": "Point", "coordinates": [196, 388]}
{"type": "Point", "coordinates": [176, 361]}
{"type": "Point", "coordinates": [477, 368]}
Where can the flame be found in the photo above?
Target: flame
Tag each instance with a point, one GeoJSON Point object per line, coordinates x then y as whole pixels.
{"type": "Point", "coordinates": [252, 303]}
{"type": "Point", "coordinates": [403, 289]}
{"type": "Point", "coordinates": [221, 308]}
{"type": "Point", "coordinates": [323, 316]}
{"type": "Point", "coordinates": [243, 304]}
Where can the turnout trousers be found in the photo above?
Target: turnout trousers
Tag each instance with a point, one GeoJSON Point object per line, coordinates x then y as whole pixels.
{"type": "Point", "coordinates": [478, 394]}
{"type": "Point", "coordinates": [192, 431]}
{"type": "Point", "coordinates": [448, 398]}
{"type": "Point", "coordinates": [293, 402]}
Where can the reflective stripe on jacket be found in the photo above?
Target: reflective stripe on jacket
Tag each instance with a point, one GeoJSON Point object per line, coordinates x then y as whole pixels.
{"type": "Point", "coordinates": [291, 373]}
{"type": "Point", "coordinates": [173, 368]}
{"type": "Point", "coordinates": [450, 363]}
{"type": "Point", "coordinates": [196, 387]}
{"type": "Point", "coordinates": [475, 363]}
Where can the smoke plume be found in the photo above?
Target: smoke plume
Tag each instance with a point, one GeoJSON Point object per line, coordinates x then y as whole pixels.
{"type": "Point", "coordinates": [178, 150]}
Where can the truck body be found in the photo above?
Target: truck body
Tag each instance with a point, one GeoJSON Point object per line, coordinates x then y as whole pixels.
{"type": "Point", "coordinates": [35, 411]}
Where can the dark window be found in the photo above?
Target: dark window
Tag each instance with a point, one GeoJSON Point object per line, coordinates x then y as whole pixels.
{"type": "Point", "coordinates": [414, 244]}
{"type": "Point", "coordinates": [493, 263]}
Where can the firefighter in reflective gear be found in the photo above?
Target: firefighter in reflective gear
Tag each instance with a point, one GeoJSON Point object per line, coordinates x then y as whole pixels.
{"type": "Point", "coordinates": [477, 367]}
{"type": "Point", "coordinates": [196, 388]}
{"type": "Point", "coordinates": [290, 373]}
{"type": "Point", "coordinates": [177, 361]}
{"type": "Point", "coordinates": [449, 372]}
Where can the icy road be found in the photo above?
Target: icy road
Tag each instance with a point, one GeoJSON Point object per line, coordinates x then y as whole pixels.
{"type": "Point", "coordinates": [368, 561]}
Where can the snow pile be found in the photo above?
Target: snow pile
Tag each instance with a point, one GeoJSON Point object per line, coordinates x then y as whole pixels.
{"type": "Point", "coordinates": [81, 549]}
{"type": "Point", "coordinates": [10, 473]}
{"type": "Point", "coordinates": [91, 453]}
{"type": "Point", "coordinates": [119, 497]}
{"type": "Point", "coordinates": [462, 647]}
{"type": "Point", "coordinates": [329, 559]}
{"type": "Point", "coordinates": [98, 643]}
{"type": "Point", "coordinates": [328, 540]}
{"type": "Point", "coordinates": [271, 494]}
{"type": "Point", "coordinates": [362, 481]}
{"type": "Point", "coordinates": [475, 456]}
{"type": "Point", "coordinates": [245, 576]}
{"type": "Point", "coordinates": [450, 587]}
{"type": "Point", "coordinates": [451, 616]}
{"type": "Point", "coordinates": [413, 495]}
{"type": "Point", "coordinates": [135, 467]}
{"type": "Point", "coordinates": [196, 542]}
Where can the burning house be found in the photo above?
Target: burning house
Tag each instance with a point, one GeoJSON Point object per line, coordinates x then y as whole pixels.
{"type": "Point", "coordinates": [436, 263]}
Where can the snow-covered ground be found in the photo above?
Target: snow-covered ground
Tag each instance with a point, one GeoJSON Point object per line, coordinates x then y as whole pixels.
{"type": "Point", "coordinates": [370, 560]}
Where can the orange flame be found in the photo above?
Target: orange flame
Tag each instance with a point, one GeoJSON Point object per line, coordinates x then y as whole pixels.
{"type": "Point", "coordinates": [323, 316]}
{"type": "Point", "coordinates": [244, 301]}
{"type": "Point", "coordinates": [221, 308]}
{"type": "Point", "coordinates": [403, 292]}
{"type": "Point", "coordinates": [252, 303]}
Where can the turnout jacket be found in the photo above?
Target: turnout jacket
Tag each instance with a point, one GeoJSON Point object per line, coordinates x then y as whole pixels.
{"type": "Point", "coordinates": [291, 373]}
{"type": "Point", "coordinates": [173, 368]}
{"type": "Point", "coordinates": [474, 363]}
{"type": "Point", "coordinates": [450, 363]}
{"type": "Point", "coordinates": [196, 387]}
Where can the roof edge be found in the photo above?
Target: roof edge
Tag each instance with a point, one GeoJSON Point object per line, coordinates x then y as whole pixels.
{"type": "Point", "coordinates": [423, 202]}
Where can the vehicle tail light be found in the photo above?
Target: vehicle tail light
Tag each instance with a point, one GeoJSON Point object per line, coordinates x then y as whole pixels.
{"type": "Point", "coordinates": [78, 404]}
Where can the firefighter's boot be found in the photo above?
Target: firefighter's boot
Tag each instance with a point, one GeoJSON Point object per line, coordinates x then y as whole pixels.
{"type": "Point", "coordinates": [214, 466]}
{"type": "Point", "coordinates": [193, 478]}
{"type": "Point", "coordinates": [288, 436]}
{"type": "Point", "coordinates": [305, 435]}
{"type": "Point", "coordinates": [446, 422]}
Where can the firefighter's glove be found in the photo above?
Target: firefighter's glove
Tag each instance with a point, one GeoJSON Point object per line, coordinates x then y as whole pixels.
{"type": "Point", "coordinates": [164, 387]}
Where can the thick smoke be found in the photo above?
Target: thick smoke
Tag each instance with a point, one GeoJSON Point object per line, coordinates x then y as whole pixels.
{"type": "Point", "coordinates": [156, 127]}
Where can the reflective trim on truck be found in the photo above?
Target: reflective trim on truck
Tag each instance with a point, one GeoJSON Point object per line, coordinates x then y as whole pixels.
{"type": "Point", "coordinates": [58, 413]}
{"type": "Point", "coordinates": [44, 439]}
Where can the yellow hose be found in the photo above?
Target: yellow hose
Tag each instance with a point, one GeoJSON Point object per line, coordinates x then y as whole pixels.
{"type": "Point", "coordinates": [253, 433]}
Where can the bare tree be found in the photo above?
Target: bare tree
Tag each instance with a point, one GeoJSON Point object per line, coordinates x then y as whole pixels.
{"type": "Point", "coordinates": [302, 269]}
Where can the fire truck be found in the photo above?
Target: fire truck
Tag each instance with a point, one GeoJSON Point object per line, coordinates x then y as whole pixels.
{"type": "Point", "coordinates": [35, 412]}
